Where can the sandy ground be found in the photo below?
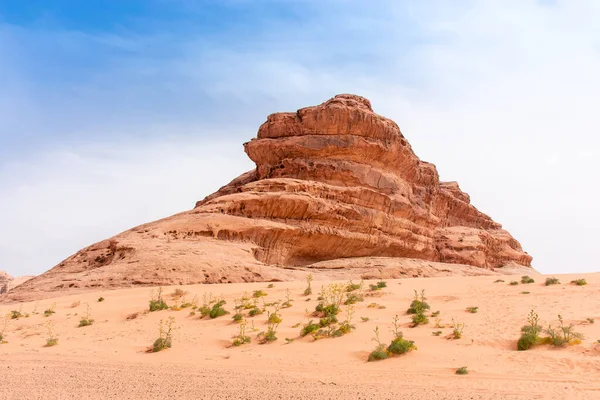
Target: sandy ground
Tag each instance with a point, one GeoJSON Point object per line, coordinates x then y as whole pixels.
{"type": "Point", "coordinates": [108, 360]}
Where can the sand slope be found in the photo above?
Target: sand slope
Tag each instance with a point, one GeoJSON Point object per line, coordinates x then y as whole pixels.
{"type": "Point", "coordinates": [108, 360]}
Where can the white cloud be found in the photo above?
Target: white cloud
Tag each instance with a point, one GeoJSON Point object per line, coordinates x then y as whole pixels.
{"type": "Point", "coordinates": [501, 96]}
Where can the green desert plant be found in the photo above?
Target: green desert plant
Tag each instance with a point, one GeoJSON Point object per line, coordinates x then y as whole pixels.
{"type": "Point", "coordinates": [49, 311]}
{"type": "Point", "coordinates": [51, 339]}
{"type": "Point", "coordinates": [242, 338]}
{"type": "Point", "coordinates": [418, 305]}
{"type": "Point", "coordinates": [375, 305]}
{"type": "Point", "coordinates": [165, 335]}
{"type": "Point", "coordinates": [157, 302]}
{"type": "Point", "coordinates": [308, 290]}
{"type": "Point", "coordinates": [552, 281]}
{"type": "Point", "coordinates": [435, 314]}
{"type": "Point", "coordinates": [364, 319]}
{"type": "Point", "coordinates": [436, 333]}
{"type": "Point", "coordinates": [525, 292]}
{"type": "Point", "coordinates": [462, 371]}
{"type": "Point", "coordinates": [457, 329]}
{"type": "Point", "coordinates": [331, 299]}
{"type": "Point", "coordinates": [590, 320]}
{"type": "Point", "coordinates": [530, 333]}
{"type": "Point", "coordinates": [288, 299]}
{"type": "Point", "coordinates": [351, 287]}
{"type": "Point", "coordinates": [579, 282]}
{"type": "Point", "coordinates": [16, 314]}
{"type": "Point", "coordinates": [514, 283]}
{"type": "Point", "coordinates": [419, 319]}
{"type": "Point", "coordinates": [499, 280]}
{"type": "Point", "coordinates": [217, 309]}
{"type": "Point", "coordinates": [87, 319]}
{"type": "Point", "coordinates": [100, 299]}
{"type": "Point", "coordinates": [353, 298]}
{"type": "Point", "coordinates": [526, 279]}
{"type": "Point", "coordinates": [380, 352]}
{"type": "Point", "coordinates": [259, 293]}
{"type": "Point", "coordinates": [270, 286]}
{"type": "Point", "coordinates": [563, 335]}
{"type": "Point", "coordinates": [472, 310]}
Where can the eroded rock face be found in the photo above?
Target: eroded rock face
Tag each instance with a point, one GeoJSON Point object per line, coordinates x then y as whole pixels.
{"type": "Point", "coordinates": [5, 279]}
{"type": "Point", "coordinates": [332, 182]}
{"type": "Point", "coordinates": [343, 182]}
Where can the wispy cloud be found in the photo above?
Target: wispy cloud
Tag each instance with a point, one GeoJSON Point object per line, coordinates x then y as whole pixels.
{"type": "Point", "coordinates": [501, 97]}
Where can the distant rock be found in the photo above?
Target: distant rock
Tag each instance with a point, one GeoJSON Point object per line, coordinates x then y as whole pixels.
{"type": "Point", "coordinates": [334, 182]}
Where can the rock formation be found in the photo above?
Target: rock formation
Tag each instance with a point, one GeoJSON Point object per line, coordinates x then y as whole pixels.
{"type": "Point", "coordinates": [5, 279]}
{"type": "Point", "coordinates": [332, 182]}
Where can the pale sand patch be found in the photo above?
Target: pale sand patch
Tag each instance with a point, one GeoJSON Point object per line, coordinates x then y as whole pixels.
{"type": "Point", "coordinates": [108, 361]}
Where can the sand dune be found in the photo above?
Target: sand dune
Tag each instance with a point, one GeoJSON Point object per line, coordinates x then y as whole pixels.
{"type": "Point", "coordinates": [108, 360]}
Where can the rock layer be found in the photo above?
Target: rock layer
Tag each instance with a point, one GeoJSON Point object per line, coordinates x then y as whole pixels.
{"type": "Point", "coordinates": [332, 182]}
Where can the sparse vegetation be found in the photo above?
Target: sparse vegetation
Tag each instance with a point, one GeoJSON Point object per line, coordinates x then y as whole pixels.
{"type": "Point", "coordinates": [100, 299]}
{"type": "Point", "coordinates": [378, 286]}
{"type": "Point", "coordinates": [398, 346]}
{"type": "Point", "coordinates": [562, 335]}
{"type": "Point", "coordinates": [525, 292]}
{"type": "Point", "coordinates": [270, 286]}
{"type": "Point", "coordinates": [16, 314]}
{"type": "Point", "coordinates": [462, 371]}
{"type": "Point", "coordinates": [49, 311]}
{"type": "Point", "coordinates": [457, 329]}
{"type": "Point", "coordinates": [418, 304]}
{"type": "Point", "coordinates": [308, 290]}
{"type": "Point", "coordinates": [273, 321]}
{"type": "Point", "coordinates": [514, 283]}
{"type": "Point", "coordinates": [436, 333]}
{"type": "Point", "coordinates": [259, 293]}
{"type": "Point", "coordinates": [590, 320]}
{"type": "Point", "coordinates": [364, 319]}
{"type": "Point", "coordinates": [579, 282]}
{"type": "Point", "coordinates": [375, 305]}
{"type": "Point", "coordinates": [353, 286]}
{"type": "Point", "coordinates": [525, 279]}
{"type": "Point", "coordinates": [499, 280]}
{"type": "Point", "coordinates": [215, 311]}
{"type": "Point", "coordinates": [75, 304]}
{"type": "Point", "coordinates": [51, 339]}
{"type": "Point", "coordinates": [157, 303]}
{"type": "Point", "coordinates": [435, 314]}
{"type": "Point", "coordinates": [353, 298]}
{"type": "Point", "coordinates": [87, 319]}
{"type": "Point", "coordinates": [472, 310]}
{"type": "Point", "coordinates": [165, 338]}
{"type": "Point", "coordinates": [552, 281]}
{"type": "Point", "coordinates": [530, 333]}
{"type": "Point", "coordinates": [380, 352]}
{"type": "Point", "coordinates": [288, 299]}
{"type": "Point", "coordinates": [242, 338]}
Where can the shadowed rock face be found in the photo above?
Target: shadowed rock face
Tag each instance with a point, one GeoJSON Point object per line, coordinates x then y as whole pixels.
{"type": "Point", "coordinates": [332, 182]}
{"type": "Point", "coordinates": [343, 182]}
{"type": "Point", "coordinates": [5, 279]}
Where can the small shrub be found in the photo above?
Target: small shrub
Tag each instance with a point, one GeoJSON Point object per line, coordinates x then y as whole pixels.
{"type": "Point", "coordinates": [270, 286]}
{"type": "Point", "coordinates": [514, 283]}
{"type": "Point", "coordinates": [499, 280]}
{"type": "Point", "coordinates": [288, 340]}
{"type": "Point", "coordinates": [179, 293]}
{"type": "Point", "coordinates": [525, 292]}
{"type": "Point", "coordinates": [237, 317]}
{"type": "Point", "coordinates": [380, 352]}
{"type": "Point", "coordinates": [353, 286]}
{"type": "Point", "coordinates": [165, 338]}
{"type": "Point", "coordinates": [258, 293]}
{"type": "Point", "coordinates": [308, 290]}
{"type": "Point", "coordinates": [400, 346]}
{"type": "Point", "coordinates": [288, 300]}
{"type": "Point", "coordinates": [472, 310]}
{"type": "Point", "coordinates": [255, 311]}
{"type": "Point", "coordinates": [436, 333]}
{"type": "Point", "coordinates": [375, 305]}
{"type": "Point", "coordinates": [309, 328]}
{"type": "Point", "coordinates": [157, 302]}
{"type": "Point", "coordinates": [100, 299]}
{"type": "Point", "coordinates": [563, 335]}
{"type": "Point", "coordinates": [590, 320]}
{"type": "Point", "coordinates": [364, 319]}
{"type": "Point", "coordinates": [579, 282]}
{"type": "Point", "coordinates": [49, 311]}
{"type": "Point", "coordinates": [526, 279]}
{"type": "Point", "coordinates": [87, 319]}
{"type": "Point", "coordinates": [419, 319]}
{"type": "Point", "coordinates": [16, 314]}
{"type": "Point", "coordinates": [353, 298]}
{"type": "Point", "coordinates": [530, 333]}
{"type": "Point", "coordinates": [51, 339]}
{"type": "Point", "coordinates": [457, 329]}
{"type": "Point", "coordinates": [418, 305]}
{"type": "Point", "coordinates": [462, 371]}
{"type": "Point", "coordinates": [217, 310]}
{"type": "Point", "coordinates": [552, 281]}
{"type": "Point", "coordinates": [241, 337]}
{"type": "Point", "coordinates": [132, 316]}
{"type": "Point", "coordinates": [75, 304]}
{"type": "Point", "coordinates": [435, 314]}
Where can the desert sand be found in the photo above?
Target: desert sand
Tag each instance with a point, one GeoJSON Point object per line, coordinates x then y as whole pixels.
{"type": "Point", "coordinates": [109, 359]}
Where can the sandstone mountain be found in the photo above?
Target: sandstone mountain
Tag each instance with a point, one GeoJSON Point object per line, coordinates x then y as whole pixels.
{"type": "Point", "coordinates": [5, 279]}
{"type": "Point", "coordinates": [337, 190]}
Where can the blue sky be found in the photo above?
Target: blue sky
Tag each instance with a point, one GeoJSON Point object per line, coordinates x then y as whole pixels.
{"type": "Point", "coordinates": [113, 113]}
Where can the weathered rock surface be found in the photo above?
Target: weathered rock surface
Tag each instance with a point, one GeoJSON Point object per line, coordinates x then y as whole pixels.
{"type": "Point", "coordinates": [332, 182]}
{"type": "Point", "coordinates": [5, 279]}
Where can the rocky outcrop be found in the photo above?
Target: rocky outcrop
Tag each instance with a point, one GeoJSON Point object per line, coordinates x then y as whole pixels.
{"type": "Point", "coordinates": [5, 279]}
{"type": "Point", "coordinates": [332, 182]}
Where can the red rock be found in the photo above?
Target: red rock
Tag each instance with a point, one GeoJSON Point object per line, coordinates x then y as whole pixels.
{"type": "Point", "coordinates": [332, 182]}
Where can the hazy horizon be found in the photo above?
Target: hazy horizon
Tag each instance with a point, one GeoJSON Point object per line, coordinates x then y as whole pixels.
{"type": "Point", "coordinates": [118, 114]}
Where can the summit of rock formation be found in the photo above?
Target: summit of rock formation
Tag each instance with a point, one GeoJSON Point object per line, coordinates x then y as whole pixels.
{"type": "Point", "coordinates": [337, 189]}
